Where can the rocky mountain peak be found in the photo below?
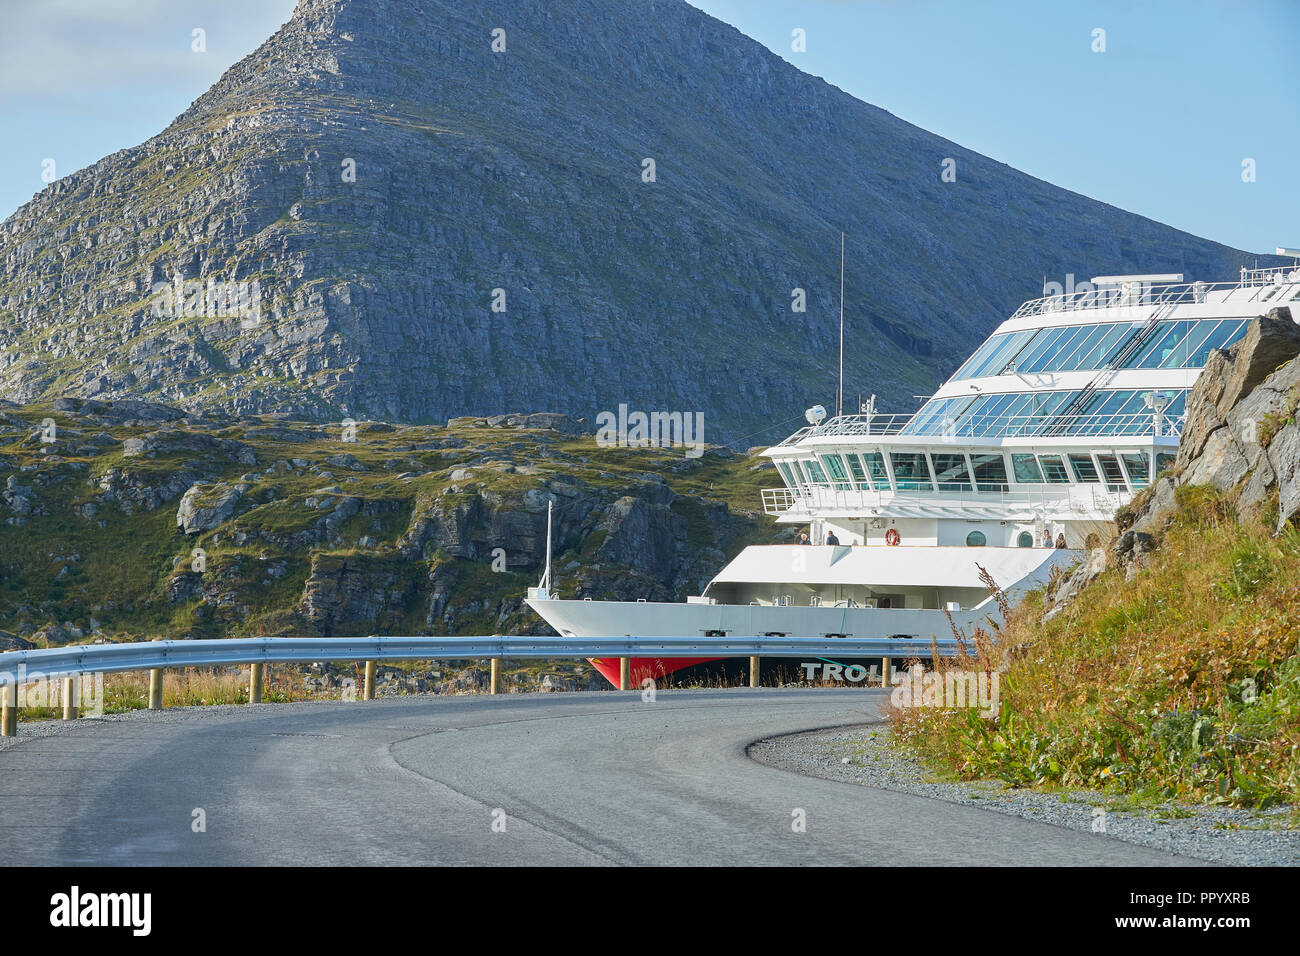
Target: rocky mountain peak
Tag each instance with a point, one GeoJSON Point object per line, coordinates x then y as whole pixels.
{"type": "Point", "coordinates": [412, 210]}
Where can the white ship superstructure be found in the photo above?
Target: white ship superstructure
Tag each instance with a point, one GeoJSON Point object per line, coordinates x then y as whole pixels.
{"type": "Point", "coordinates": [1018, 461]}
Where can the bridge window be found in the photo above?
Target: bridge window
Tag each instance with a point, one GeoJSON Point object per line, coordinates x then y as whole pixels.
{"type": "Point", "coordinates": [1139, 473]}
{"type": "Point", "coordinates": [788, 475]}
{"type": "Point", "coordinates": [990, 472]}
{"type": "Point", "coordinates": [1083, 468]}
{"type": "Point", "coordinates": [1113, 473]}
{"type": "Point", "coordinates": [839, 474]}
{"type": "Point", "coordinates": [1026, 469]}
{"type": "Point", "coordinates": [874, 462]}
{"type": "Point", "coordinates": [856, 470]}
{"type": "Point", "coordinates": [950, 470]}
{"type": "Point", "coordinates": [911, 471]}
{"type": "Point", "coordinates": [1054, 469]}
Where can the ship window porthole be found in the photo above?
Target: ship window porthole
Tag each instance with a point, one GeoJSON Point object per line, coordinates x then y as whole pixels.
{"type": "Point", "coordinates": [975, 539]}
{"type": "Point", "coordinates": [1026, 540]}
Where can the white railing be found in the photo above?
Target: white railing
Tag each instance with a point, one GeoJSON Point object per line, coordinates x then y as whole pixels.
{"type": "Point", "coordinates": [1098, 424]}
{"type": "Point", "coordinates": [1140, 295]}
{"type": "Point", "coordinates": [1094, 424]}
{"type": "Point", "coordinates": [1084, 500]}
{"type": "Point", "coordinates": [777, 500]}
{"type": "Point", "coordinates": [852, 425]}
{"type": "Point", "coordinates": [1277, 275]}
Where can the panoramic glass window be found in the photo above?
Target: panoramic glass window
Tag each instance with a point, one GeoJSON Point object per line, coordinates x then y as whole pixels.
{"type": "Point", "coordinates": [1107, 412]}
{"type": "Point", "coordinates": [1177, 344]}
{"type": "Point", "coordinates": [1054, 469]}
{"type": "Point", "coordinates": [787, 475]}
{"type": "Point", "coordinates": [950, 472]}
{"type": "Point", "coordinates": [857, 471]}
{"type": "Point", "coordinates": [815, 473]}
{"type": "Point", "coordinates": [839, 474]}
{"type": "Point", "coordinates": [990, 472]}
{"type": "Point", "coordinates": [1083, 468]}
{"type": "Point", "coordinates": [1138, 469]}
{"type": "Point", "coordinates": [975, 539]}
{"type": "Point", "coordinates": [1026, 470]}
{"type": "Point", "coordinates": [1112, 472]}
{"type": "Point", "coordinates": [911, 471]}
{"type": "Point", "coordinates": [875, 465]}
{"type": "Point", "coordinates": [994, 355]}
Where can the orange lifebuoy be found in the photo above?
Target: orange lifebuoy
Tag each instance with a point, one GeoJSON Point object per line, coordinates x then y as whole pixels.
{"type": "Point", "coordinates": [892, 537]}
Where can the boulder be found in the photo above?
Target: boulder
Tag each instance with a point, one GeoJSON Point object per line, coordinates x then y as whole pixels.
{"type": "Point", "coordinates": [1083, 574]}
{"type": "Point", "coordinates": [204, 506]}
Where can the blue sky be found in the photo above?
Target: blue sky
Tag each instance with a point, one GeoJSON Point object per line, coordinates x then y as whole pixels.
{"type": "Point", "coordinates": [1160, 123]}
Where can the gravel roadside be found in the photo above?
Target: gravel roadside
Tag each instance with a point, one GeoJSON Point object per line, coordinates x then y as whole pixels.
{"type": "Point", "coordinates": [866, 756]}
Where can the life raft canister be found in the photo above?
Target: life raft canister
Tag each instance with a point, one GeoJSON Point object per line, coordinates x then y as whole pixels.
{"type": "Point", "coordinates": [892, 537]}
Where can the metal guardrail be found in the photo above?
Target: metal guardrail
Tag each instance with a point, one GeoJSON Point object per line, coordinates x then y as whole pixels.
{"type": "Point", "coordinates": [35, 666]}
{"type": "Point", "coordinates": [107, 658]}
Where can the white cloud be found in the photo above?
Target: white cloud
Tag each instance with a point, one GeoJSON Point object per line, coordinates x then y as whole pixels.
{"type": "Point", "coordinates": [61, 47]}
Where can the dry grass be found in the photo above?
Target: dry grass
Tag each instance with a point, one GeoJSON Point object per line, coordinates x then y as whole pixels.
{"type": "Point", "coordinates": [1183, 683]}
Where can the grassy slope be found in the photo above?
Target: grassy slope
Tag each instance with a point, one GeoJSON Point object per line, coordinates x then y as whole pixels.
{"type": "Point", "coordinates": [1183, 684]}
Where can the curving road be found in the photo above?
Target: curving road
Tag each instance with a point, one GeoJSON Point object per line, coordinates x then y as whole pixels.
{"type": "Point", "coordinates": [563, 779]}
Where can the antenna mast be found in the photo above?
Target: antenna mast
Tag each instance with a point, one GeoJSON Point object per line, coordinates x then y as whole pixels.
{"type": "Point", "coordinates": [546, 577]}
{"type": "Point", "coordinates": [839, 398]}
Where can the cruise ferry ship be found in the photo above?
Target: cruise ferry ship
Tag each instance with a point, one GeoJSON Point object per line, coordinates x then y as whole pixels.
{"type": "Point", "coordinates": [1016, 463]}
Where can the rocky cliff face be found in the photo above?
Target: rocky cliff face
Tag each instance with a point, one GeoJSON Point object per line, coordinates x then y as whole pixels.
{"type": "Point", "coordinates": [436, 228]}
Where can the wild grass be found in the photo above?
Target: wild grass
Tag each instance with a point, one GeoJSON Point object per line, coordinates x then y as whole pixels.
{"type": "Point", "coordinates": [1182, 684]}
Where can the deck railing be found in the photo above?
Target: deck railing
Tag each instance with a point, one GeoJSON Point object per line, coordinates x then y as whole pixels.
{"type": "Point", "coordinates": [994, 426]}
{"type": "Point", "coordinates": [1139, 295]}
{"type": "Point", "coordinates": [1082, 500]}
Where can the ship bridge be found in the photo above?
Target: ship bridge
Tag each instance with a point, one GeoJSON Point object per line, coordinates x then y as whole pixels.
{"type": "Point", "coordinates": [1070, 407]}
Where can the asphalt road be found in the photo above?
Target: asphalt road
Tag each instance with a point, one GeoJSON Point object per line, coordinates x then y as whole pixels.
{"type": "Point", "coordinates": [560, 779]}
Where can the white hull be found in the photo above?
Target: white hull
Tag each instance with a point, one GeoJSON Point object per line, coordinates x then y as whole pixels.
{"type": "Point", "coordinates": [703, 616]}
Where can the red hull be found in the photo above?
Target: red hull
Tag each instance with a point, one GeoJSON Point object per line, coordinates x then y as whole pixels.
{"type": "Point", "coordinates": [652, 668]}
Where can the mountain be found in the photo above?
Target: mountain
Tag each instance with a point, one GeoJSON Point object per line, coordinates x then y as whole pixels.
{"type": "Point", "coordinates": [440, 229]}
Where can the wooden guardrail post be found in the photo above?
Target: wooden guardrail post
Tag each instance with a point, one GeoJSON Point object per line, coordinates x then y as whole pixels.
{"type": "Point", "coordinates": [368, 691]}
{"type": "Point", "coordinates": [494, 686]}
{"type": "Point", "coordinates": [155, 688]}
{"type": "Point", "coordinates": [69, 698]}
{"type": "Point", "coordinates": [886, 671]}
{"type": "Point", "coordinates": [9, 716]}
{"type": "Point", "coordinates": [624, 673]}
{"type": "Point", "coordinates": [255, 674]}
{"type": "Point", "coordinates": [753, 672]}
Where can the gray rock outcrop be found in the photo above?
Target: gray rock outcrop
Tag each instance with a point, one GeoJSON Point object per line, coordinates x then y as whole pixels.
{"type": "Point", "coordinates": [1241, 433]}
{"type": "Point", "coordinates": [204, 507]}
